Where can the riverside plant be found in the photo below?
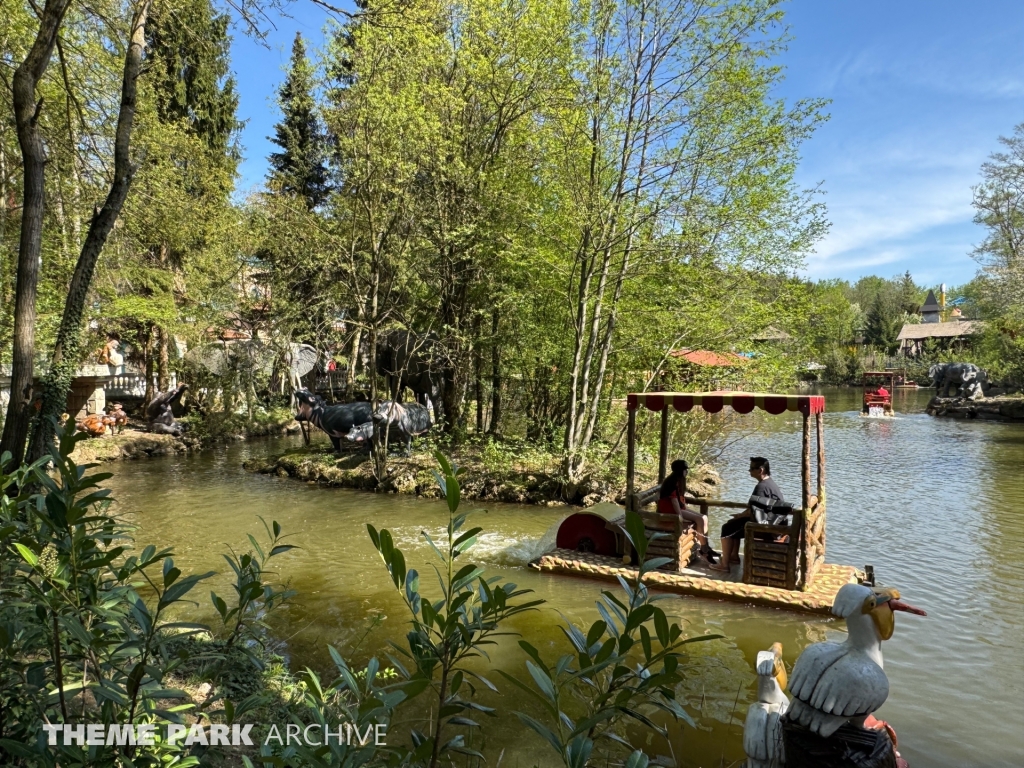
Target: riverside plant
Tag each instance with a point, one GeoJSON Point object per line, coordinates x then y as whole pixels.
{"type": "Point", "coordinates": [85, 635]}
{"type": "Point", "coordinates": [624, 668]}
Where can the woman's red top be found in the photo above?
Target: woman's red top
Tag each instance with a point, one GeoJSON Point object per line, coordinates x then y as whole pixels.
{"type": "Point", "coordinates": [665, 505]}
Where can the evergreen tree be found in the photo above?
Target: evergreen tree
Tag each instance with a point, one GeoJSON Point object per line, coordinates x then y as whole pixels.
{"type": "Point", "coordinates": [910, 294]}
{"type": "Point", "coordinates": [190, 51]}
{"type": "Point", "coordinates": [884, 324]}
{"type": "Point", "coordinates": [299, 168]}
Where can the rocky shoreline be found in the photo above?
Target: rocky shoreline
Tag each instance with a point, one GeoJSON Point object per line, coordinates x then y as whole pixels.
{"type": "Point", "coordinates": [415, 476]}
{"type": "Point", "coordinates": [1002, 408]}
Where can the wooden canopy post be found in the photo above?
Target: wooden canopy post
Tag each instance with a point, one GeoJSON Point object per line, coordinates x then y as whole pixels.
{"type": "Point", "coordinates": [819, 419]}
{"type": "Point", "coordinates": [663, 449]}
{"type": "Point", "coordinates": [807, 461]}
{"type": "Point", "coordinates": [630, 457]}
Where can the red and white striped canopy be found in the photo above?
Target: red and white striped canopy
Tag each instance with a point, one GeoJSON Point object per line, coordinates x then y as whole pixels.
{"type": "Point", "coordinates": [741, 402]}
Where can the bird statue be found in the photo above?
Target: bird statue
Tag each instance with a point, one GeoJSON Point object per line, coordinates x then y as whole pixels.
{"type": "Point", "coordinates": [762, 733]}
{"type": "Point", "coordinates": [836, 683]}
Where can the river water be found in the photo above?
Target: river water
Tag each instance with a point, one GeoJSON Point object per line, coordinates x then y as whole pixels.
{"type": "Point", "coordinates": [937, 506]}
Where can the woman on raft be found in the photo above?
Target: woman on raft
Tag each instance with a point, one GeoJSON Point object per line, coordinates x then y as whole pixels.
{"type": "Point", "coordinates": [672, 501]}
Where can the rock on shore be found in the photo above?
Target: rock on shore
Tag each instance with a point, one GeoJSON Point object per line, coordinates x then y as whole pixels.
{"type": "Point", "coordinates": [1002, 408]}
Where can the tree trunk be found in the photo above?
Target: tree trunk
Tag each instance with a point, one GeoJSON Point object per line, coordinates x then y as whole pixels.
{"type": "Point", "coordinates": [65, 350]}
{"type": "Point", "coordinates": [33, 154]}
{"type": "Point", "coordinates": [164, 351]}
{"type": "Point", "coordinates": [150, 366]}
{"type": "Point", "coordinates": [495, 376]}
{"type": "Point", "coordinates": [478, 376]}
{"type": "Point", "coordinates": [353, 359]}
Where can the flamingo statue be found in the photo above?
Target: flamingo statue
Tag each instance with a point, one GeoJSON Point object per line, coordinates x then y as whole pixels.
{"type": "Point", "coordinates": [836, 683]}
{"type": "Point", "coordinates": [762, 733]}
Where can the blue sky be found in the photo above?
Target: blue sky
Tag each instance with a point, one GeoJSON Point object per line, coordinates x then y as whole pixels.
{"type": "Point", "coordinates": [920, 91]}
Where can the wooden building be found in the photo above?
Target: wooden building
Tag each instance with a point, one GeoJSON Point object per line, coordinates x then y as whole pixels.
{"type": "Point", "coordinates": [914, 336]}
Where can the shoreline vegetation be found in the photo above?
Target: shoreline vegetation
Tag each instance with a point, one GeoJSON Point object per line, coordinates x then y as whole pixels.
{"type": "Point", "coordinates": [509, 471]}
{"type": "Point", "coordinates": [135, 442]}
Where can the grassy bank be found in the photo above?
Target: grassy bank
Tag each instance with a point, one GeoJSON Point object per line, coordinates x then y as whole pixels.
{"type": "Point", "coordinates": [511, 471]}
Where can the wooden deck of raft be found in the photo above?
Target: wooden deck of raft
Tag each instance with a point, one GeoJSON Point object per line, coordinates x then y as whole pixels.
{"type": "Point", "coordinates": [698, 581]}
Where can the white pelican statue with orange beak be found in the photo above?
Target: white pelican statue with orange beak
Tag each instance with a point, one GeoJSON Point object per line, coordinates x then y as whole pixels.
{"type": "Point", "coordinates": [762, 733]}
{"type": "Point", "coordinates": [836, 683]}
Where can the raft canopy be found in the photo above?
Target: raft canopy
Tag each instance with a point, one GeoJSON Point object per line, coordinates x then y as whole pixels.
{"type": "Point", "coordinates": [714, 402]}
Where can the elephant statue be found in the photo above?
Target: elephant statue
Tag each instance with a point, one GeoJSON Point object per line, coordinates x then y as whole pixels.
{"type": "Point", "coordinates": [966, 379]}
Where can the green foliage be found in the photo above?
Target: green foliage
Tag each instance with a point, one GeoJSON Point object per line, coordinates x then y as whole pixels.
{"type": "Point", "coordinates": [299, 169]}
{"type": "Point", "coordinates": [625, 667]}
{"type": "Point", "coordinates": [255, 597]}
{"type": "Point", "coordinates": [84, 624]}
{"type": "Point", "coordinates": [447, 632]}
{"type": "Point", "coordinates": [189, 51]}
{"type": "Point", "coordinates": [90, 627]}
{"type": "Point", "coordinates": [884, 322]}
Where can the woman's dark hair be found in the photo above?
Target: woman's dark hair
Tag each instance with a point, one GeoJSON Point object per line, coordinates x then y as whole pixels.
{"type": "Point", "coordinates": [669, 484]}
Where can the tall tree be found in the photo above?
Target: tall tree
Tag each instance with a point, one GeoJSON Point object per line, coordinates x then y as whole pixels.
{"type": "Point", "coordinates": [884, 321]}
{"type": "Point", "coordinates": [999, 206]}
{"type": "Point", "coordinates": [64, 359]}
{"type": "Point", "coordinates": [191, 159]}
{"type": "Point", "coordinates": [190, 50]}
{"type": "Point", "coordinates": [299, 168]}
{"type": "Point", "coordinates": [679, 155]}
{"type": "Point", "coordinates": [910, 293]}
{"type": "Point", "coordinates": [33, 154]}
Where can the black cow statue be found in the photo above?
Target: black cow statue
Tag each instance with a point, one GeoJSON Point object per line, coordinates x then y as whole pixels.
{"type": "Point", "coordinates": [160, 412]}
{"type": "Point", "coordinates": [335, 420]}
{"type": "Point", "coordinates": [402, 423]}
{"type": "Point", "coordinates": [406, 359]}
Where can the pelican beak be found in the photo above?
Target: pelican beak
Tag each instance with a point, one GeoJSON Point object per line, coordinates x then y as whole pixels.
{"type": "Point", "coordinates": [899, 605]}
{"type": "Point", "coordinates": [887, 601]}
{"type": "Point", "coordinates": [780, 669]}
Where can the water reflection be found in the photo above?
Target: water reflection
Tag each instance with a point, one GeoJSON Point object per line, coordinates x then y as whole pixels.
{"type": "Point", "coordinates": [934, 505]}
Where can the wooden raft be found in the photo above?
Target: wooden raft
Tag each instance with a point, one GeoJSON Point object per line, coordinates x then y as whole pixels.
{"type": "Point", "coordinates": [817, 598]}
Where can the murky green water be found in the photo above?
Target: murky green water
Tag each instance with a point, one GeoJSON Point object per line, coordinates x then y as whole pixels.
{"type": "Point", "coordinates": [937, 506]}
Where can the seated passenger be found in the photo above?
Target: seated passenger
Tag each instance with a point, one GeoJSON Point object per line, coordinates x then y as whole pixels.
{"type": "Point", "coordinates": [882, 391]}
{"type": "Point", "coordinates": [672, 501]}
{"type": "Point", "coordinates": [766, 494]}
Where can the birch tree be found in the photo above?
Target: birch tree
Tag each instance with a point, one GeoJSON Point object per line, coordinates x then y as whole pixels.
{"type": "Point", "coordinates": [675, 154]}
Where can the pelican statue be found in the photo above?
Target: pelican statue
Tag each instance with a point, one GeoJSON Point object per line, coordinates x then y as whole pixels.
{"type": "Point", "coordinates": [762, 733]}
{"type": "Point", "coordinates": [836, 683]}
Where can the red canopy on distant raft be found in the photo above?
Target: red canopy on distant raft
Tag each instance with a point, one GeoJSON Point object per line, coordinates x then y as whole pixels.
{"type": "Point", "coordinates": [741, 402]}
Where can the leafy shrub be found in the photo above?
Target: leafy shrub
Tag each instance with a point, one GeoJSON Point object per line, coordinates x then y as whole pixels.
{"type": "Point", "coordinates": [85, 634]}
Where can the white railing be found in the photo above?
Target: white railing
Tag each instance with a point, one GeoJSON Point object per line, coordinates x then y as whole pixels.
{"type": "Point", "coordinates": [131, 385]}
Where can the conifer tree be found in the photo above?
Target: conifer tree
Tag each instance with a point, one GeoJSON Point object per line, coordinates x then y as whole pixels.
{"type": "Point", "coordinates": [299, 168]}
{"type": "Point", "coordinates": [190, 49]}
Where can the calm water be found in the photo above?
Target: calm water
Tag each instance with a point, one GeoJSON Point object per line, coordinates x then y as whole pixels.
{"type": "Point", "coordinates": [935, 505]}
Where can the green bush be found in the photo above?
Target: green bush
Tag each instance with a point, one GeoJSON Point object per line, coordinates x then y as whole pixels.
{"type": "Point", "coordinates": [85, 630]}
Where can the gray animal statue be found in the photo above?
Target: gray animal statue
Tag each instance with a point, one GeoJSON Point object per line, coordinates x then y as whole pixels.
{"type": "Point", "coordinates": [406, 359]}
{"type": "Point", "coordinates": [403, 422]}
{"type": "Point", "coordinates": [334, 420]}
{"type": "Point", "coordinates": [966, 379]}
{"type": "Point", "coordinates": [160, 412]}
{"type": "Point", "coordinates": [762, 732]}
